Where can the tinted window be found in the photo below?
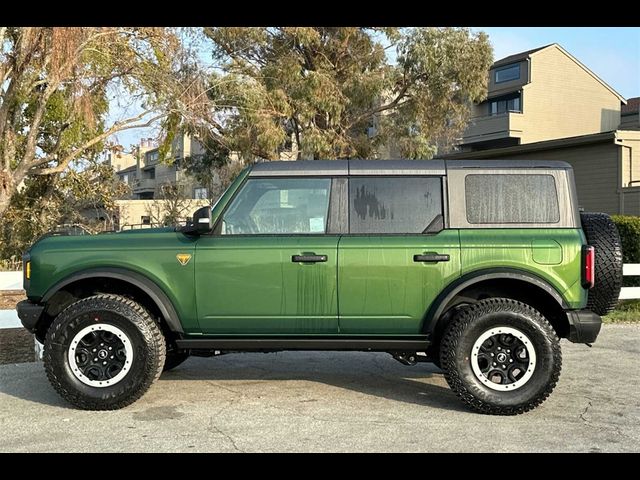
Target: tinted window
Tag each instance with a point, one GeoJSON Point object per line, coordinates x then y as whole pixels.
{"type": "Point", "coordinates": [512, 72]}
{"type": "Point", "coordinates": [511, 199]}
{"type": "Point", "coordinates": [279, 206]}
{"type": "Point", "coordinates": [393, 204]}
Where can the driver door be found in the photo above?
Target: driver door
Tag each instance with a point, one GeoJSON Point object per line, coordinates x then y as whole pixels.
{"type": "Point", "coordinates": [272, 267]}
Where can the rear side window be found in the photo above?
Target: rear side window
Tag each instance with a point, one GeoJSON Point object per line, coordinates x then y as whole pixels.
{"type": "Point", "coordinates": [394, 204]}
{"type": "Point", "coordinates": [511, 199]}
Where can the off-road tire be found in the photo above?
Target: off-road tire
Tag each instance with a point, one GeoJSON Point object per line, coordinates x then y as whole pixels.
{"type": "Point", "coordinates": [602, 233]}
{"type": "Point", "coordinates": [468, 325]}
{"type": "Point", "coordinates": [147, 342]}
{"type": "Point", "coordinates": [174, 358]}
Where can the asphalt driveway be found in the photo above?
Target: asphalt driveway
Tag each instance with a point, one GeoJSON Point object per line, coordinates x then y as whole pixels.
{"type": "Point", "coordinates": [313, 401]}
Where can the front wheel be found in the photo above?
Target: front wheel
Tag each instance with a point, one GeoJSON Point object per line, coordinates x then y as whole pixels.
{"type": "Point", "coordinates": [103, 352]}
{"type": "Point", "coordinates": [501, 356]}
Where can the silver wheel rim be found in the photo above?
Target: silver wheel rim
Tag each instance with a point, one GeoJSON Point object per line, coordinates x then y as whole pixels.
{"type": "Point", "coordinates": [477, 357]}
{"type": "Point", "coordinates": [76, 345]}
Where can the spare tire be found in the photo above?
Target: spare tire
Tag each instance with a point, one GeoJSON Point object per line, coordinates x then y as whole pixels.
{"type": "Point", "coordinates": [603, 234]}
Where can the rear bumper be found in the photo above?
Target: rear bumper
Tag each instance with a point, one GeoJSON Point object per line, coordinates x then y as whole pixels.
{"type": "Point", "coordinates": [584, 326]}
{"type": "Point", "coordinates": [29, 313]}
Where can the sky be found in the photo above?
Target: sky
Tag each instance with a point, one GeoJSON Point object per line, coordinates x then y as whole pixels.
{"type": "Point", "coordinates": [612, 53]}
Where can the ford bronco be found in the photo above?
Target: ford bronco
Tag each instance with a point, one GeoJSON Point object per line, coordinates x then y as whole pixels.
{"type": "Point", "coordinates": [478, 266]}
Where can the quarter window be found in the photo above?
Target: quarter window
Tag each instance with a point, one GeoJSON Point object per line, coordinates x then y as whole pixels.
{"type": "Point", "coordinates": [394, 204]}
{"type": "Point", "coordinates": [492, 199]}
{"type": "Point", "coordinates": [279, 206]}
{"type": "Point", "coordinates": [506, 74]}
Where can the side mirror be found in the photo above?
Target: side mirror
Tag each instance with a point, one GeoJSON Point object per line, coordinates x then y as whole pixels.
{"type": "Point", "coordinates": [202, 220]}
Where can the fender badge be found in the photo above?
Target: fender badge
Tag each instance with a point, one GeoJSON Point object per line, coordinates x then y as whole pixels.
{"type": "Point", "coordinates": [183, 258]}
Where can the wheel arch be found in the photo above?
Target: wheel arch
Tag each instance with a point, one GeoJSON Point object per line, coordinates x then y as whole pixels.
{"type": "Point", "coordinates": [120, 280]}
{"type": "Point", "coordinates": [507, 282]}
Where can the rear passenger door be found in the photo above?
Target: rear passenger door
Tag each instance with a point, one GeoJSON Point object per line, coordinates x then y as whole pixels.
{"type": "Point", "coordinates": [397, 256]}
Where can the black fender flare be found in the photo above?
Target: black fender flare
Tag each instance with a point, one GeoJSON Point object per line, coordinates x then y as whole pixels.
{"type": "Point", "coordinates": [148, 286]}
{"type": "Point", "coordinates": [437, 307]}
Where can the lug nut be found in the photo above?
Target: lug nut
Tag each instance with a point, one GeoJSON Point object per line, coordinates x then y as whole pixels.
{"type": "Point", "coordinates": [110, 348]}
{"type": "Point", "coordinates": [494, 364]}
{"type": "Point", "coordinates": [95, 350]}
{"type": "Point", "coordinates": [492, 354]}
{"type": "Point", "coordinates": [510, 361]}
{"type": "Point", "coordinates": [504, 366]}
{"type": "Point", "coordinates": [112, 358]}
{"type": "Point", "coordinates": [104, 363]}
{"type": "Point", "coordinates": [95, 359]}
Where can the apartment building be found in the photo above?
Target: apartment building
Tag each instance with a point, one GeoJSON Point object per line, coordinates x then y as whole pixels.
{"type": "Point", "coordinates": [544, 104]}
{"type": "Point", "coordinates": [147, 174]}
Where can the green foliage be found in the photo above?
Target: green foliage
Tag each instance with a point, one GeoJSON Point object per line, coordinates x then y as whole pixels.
{"type": "Point", "coordinates": [629, 229]}
{"type": "Point", "coordinates": [324, 88]}
{"type": "Point", "coordinates": [207, 167]}
{"type": "Point", "coordinates": [56, 83]}
{"type": "Point", "coordinates": [48, 201]}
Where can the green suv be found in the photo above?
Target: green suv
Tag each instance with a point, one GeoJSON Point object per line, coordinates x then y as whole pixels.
{"type": "Point", "coordinates": [477, 266]}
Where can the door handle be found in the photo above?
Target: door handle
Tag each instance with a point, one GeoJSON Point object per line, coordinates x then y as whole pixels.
{"type": "Point", "coordinates": [310, 258]}
{"type": "Point", "coordinates": [431, 257]}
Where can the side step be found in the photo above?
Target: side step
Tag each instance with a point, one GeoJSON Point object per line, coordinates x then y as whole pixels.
{"type": "Point", "coordinates": [260, 344]}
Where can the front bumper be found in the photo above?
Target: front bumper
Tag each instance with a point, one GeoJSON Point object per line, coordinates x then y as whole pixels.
{"type": "Point", "coordinates": [584, 326]}
{"type": "Point", "coordinates": [29, 314]}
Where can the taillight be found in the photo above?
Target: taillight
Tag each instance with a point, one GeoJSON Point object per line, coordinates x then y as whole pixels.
{"type": "Point", "coordinates": [588, 266]}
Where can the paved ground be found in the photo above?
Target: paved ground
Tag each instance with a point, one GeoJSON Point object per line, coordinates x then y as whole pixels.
{"type": "Point", "coordinates": [333, 402]}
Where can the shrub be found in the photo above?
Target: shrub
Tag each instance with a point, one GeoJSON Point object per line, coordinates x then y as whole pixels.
{"type": "Point", "coordinates": [629, 228]}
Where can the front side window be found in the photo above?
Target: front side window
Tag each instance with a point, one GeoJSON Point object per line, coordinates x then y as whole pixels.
{"type": "Point", "coordinates": [506, 198]}
{"type": "Point", "coordinates": [379, 205]}
{"type": "Point", "coordinates": [506, 74]}
{"type": "Point", "coordinates": [279, 206]}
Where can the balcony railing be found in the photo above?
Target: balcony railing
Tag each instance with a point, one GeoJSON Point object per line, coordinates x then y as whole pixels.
{"type": "Point", "coordinates": [144, 184]}
{"type": "Point", "coordinates": [492, 127]}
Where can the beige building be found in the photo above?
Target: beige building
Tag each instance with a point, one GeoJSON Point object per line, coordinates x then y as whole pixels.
{"type": "Point", "coordinates": [544, 104]}
{"type": "Point", "coordinates": [538, 95]}
{"type": "Point", "coordinates": [146, 174]}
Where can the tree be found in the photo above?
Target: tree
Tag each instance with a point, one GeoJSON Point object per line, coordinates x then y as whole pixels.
{"type": "Point", "coordinates": [54, 89]}
{"type": "Point", "coordinates": [213, 169]}
{"type": "Point", "coordinates": [48, 201]}
{"type": "Point", "coordinates": [172, 205]}
{"type": "Point", "coordinates": [337, 95]}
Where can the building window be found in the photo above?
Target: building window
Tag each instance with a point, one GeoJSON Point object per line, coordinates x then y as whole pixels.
{"type": "Point", "coordinates": [379, 205]}
{"type": "Point", "coordinates": [125, 178]}
{"type": "Point", "coordinates": [508, 103]}
{"type": "Point", "coordinates": [200, 193]}
{"type": "Point", "coordinates": [497, 199]}
{"type": "Point", "coordinates": [145, 220]}
{"type": "Point", "coordinates": [152, 174]}
{"type": "Point", "coordinates": [508, 73]}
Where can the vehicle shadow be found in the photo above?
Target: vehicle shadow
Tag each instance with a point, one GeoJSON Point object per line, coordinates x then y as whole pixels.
{"type": "Point", "coordinates": [376, 374]}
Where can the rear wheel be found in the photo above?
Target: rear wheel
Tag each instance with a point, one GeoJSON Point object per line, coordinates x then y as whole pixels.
{"type": "Point", "coordinates": [501, 356]}
{"type": "Point", "coordinates": [103, 352]}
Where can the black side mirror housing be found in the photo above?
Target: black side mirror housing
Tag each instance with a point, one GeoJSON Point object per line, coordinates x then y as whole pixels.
{"type": "Point", "coordinates": [202, 221]}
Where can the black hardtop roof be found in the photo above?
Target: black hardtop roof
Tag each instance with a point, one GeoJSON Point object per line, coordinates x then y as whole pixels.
{"type": "Point", "coordinates": [390, 167]}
